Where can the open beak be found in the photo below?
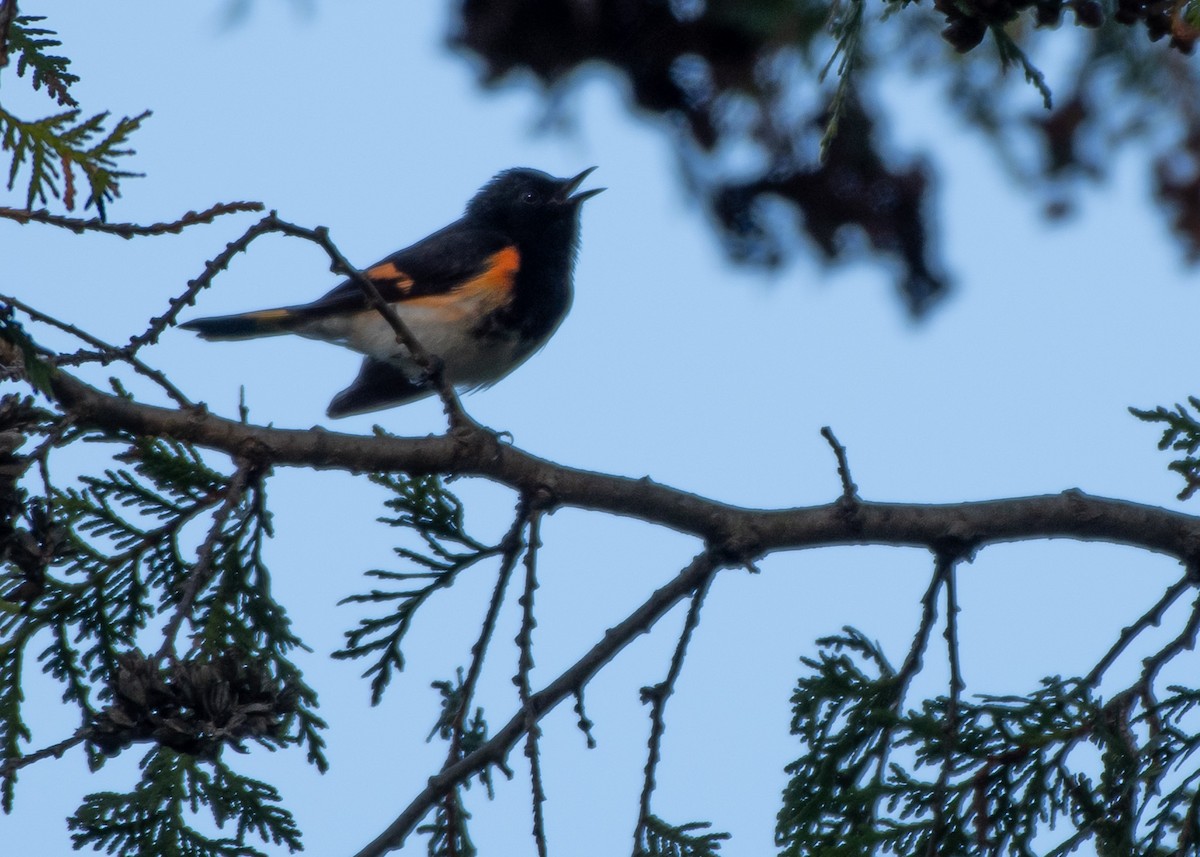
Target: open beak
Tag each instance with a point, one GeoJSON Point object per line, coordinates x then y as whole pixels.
{"type": "Point", "coordinates": [570, 185]}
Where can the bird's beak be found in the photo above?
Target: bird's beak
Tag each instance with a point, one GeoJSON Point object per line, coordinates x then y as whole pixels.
{"type": "Point", "coordinates": [570, 185]}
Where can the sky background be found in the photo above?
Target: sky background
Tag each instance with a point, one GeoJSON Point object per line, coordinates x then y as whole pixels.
{"type": "Point", "coordinates": [671, 364]}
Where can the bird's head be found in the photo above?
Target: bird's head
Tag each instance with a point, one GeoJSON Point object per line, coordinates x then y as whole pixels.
{"type": "Point", "coordinates": [527, 203]}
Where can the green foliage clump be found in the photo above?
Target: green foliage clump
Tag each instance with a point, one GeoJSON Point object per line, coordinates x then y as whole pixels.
{"type": "Point", "coordinates": [421, 504]}
{"type": "Point", "coordinates": [662, 839]}
{"type": "Point", "coordinates": [121, 560]}
{"type": "Point", "coordinates": [153, 818]}
{"type": "Point", "coordinates": [1182, 434]}
{"type": "Point", "coordinates": [1040, 774]}
{"type": "Point", "coordinates": [58, 149]}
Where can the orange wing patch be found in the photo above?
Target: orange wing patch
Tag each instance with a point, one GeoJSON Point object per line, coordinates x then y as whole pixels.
{"type": "Point", "coordinates": [390, 280]}
{"type": "Point", "coordinates": [483, 293]}
{"type": "Point", "coordinates": [269, 314]}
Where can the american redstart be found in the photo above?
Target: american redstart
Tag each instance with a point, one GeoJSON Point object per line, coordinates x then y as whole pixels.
{"type": "Point", "coordinates": [482, 295]}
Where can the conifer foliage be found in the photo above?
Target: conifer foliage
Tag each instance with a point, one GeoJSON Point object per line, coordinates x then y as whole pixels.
{"type": "Point", "coordinates": [138, 580]}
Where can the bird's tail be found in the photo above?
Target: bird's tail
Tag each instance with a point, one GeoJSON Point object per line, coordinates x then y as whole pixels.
{"type": "Point", "coordinates": [246, 325]}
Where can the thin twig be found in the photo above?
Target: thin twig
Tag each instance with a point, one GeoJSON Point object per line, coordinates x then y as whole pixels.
{"type": "Point", "coordinates": [583, 722]}
{"type": "Point", "coordinates": [211, 268]}
{"type": "Point", "coordinates": [1151, 618]}
{"type": "Point", "coordinates": [512, 550]}
{"type": "Point", "coordinates": [202, 571]}
{"type": "Point", "coordinates": [945, 570]}
{"type": "Point", "coordinates": [657, 696]}
{"type": "Point", "coordinates": [11, 765]}
{"type": "Point", "coordinates": [544, 701]}
{"type": "Point", "coordinates": [104, 354]}
{"type": "Point", "coordinates": [524, 642]}
{"type": "Point", "coordinates": [849, 489]}
{"type": "Point", "coordinates": [1151, 665]}
{"type": "Point", "coordinates": [80, 225]}
{"type": "Point", "coordinates": [911, 665]}
{"type": "Point", "coordinates": [1185, 641]}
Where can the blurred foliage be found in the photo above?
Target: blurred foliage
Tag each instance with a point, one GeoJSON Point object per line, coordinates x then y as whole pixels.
{"type": "Point", "coordinates": [743, 90]}
{"type": "Point", "coordinates": [775, 109]}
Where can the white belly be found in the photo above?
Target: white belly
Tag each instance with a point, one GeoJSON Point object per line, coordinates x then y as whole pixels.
{"type": "Point", "coordinates": [469, 360]}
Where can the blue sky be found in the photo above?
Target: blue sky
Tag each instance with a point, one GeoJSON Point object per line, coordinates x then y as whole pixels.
{"type": "Point", "coordinates": [672, 364]}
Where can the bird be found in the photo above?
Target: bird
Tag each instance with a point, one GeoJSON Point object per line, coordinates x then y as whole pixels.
{"type": "Point", "coordinates": [481, 295]}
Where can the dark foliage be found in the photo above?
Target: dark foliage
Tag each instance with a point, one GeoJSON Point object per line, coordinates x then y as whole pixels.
{"type": "Point", "coordinates": [740, 77]}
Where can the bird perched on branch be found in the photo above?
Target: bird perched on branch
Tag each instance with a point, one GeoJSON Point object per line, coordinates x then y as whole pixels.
{"type": "Point", "coordinates": [480, 295]}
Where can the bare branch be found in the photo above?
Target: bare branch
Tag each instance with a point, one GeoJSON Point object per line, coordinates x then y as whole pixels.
{"type": "Point", "coordinates": [1186, 641]}
{"type": "Point", "coordinates": [430, 364]}
{"type": "Point", "coordinates": [524, 642]}
{"type": "Point", "coordinates": [541, 703]}
{"type": "Point", "coordinates": [339, 264]}
{"type": "Point", "coordinates": [912, 663]}
{"type": "Point", "coordinates": [1151, 618]}
{"type": "Point", "coordinates": [742, 533]}
{"type": "Point", "coordinates": [584, 724]}
{"type": "Point", "coordinates": [512, 546]}
{"type": "Point", "coordinates": [105, 353]}
{"type": "Point", "coordinates": [80, 225]}
{"type": "Point", "coordinates": [946, 572]}
{"type": "Point", "coordinates": [849, 489]}
{"type": "Point", "coordinates": [9, 767]}
{"type": "Point", "coordinates": [211, 268]}
{"type": "Point", "coordinates": [657, 696]}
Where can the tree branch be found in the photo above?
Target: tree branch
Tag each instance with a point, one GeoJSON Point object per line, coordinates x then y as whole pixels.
{"type": "Point", "coordinates": [657, 696]}
{"type": "Point", "coordinates": [80, 225]}
{"type": "Point", "coordinates": [104, 354]}
{"type": "Point", "coordinates": [739, 533]}
{"type": "Point", "coordinates": [524, 641]}
{"type": "Point", "coordinates": [541, 703]}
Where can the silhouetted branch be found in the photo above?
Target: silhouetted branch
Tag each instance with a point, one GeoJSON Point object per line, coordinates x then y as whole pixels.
{"type": "Point", "coordinates": [1152, 617]}
{"type": "Point", "coordinates": [105, 353]}
{"type": "Point", "coordinates": [544, 701]}
{"type": "Point", "coordinates": [8, 767]}
{"type": "Point", "coordinates": [79, 225]}
{"type": "Point", "coordinates": [657, 696]}
{"type": "Point", "coordinates": [738, 532]}
{"type": "Point", "coordinates": [524, 642]}
{"type": "Point", "coordinates": [430, 364]}
{"type": "Point", "coordinates": [945, 571]}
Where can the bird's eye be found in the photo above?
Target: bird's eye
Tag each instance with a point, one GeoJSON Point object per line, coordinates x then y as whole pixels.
{"type": "Point", "coordinates": [529, 196]}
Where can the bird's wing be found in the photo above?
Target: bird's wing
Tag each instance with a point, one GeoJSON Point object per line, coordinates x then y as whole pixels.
{"type": "Point", "coordinates": [448, 260]}
{"type": "Point", "coordinates": [378, 385]}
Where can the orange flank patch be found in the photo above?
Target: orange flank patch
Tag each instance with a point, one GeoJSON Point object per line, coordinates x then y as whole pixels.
{"type": "Point", "coordinates": [481, 294]}
{"type": "Point", "coordinates": [501, 269]}
{"type": "Point", "coordinates": [393, 282]}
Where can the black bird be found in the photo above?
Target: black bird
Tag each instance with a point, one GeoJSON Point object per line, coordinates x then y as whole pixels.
{"type": "Point", "coordinates": [482, 295]}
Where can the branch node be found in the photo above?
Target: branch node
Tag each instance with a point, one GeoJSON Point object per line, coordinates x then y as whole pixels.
{"type": "Point", "coordinates": [739, 545]}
